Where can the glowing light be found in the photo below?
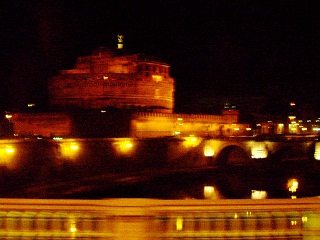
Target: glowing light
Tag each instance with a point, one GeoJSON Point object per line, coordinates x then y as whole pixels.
{"type": "Point", "coordinates": [293, 185]}
{"type": "Point", "coordinates": [179, 223]}
{"type": "Point", "coordinates": [157, 78]}
{"type": "Point", "coordinates": [316, 129]}
{"type": "Point", "coordinates": [208, 150]}
{"type": "Point", "coordinates": [292, 104]}
{"type": "Point", "coordinates": [57, 138]}
{"type": "Point", "coordinates": [124, 146]}
{"type": "Point", "coordinates": [258, 194]}
{"type": "Point", "coordinates": [69, 149]}
{"type": "Point", "coordinates": [191, 141]}
{"type": "Point", "coordinates": [236, 129]}
{"type": "Point", "coordinates": [73, 227]}
{"type": "Point", "coordinates": [209, 192]}
{"type": "Point", "coordinates": [120, 41]}
{"type": "Point", "coordinates": [317, 151]}
{"type": "Point", "coordinates": [9, 149]}
{"type": "Point", "coordinates": [8, 116]}
{"type": "Point", "coordinates": [248, 129]}
{"type": "Point", "coordinates": [176, 133]}
{"type": "Point", "coordinates": [105, 78]}
{"type": "Point", "coordinates": [292, 117]}
{"type": "Point", "coordinates": [7, 153]}
{"type": "Point", "coordinates": [31, 104]}
{"type": "Point", "coordinates": [259, 151]}
{"type": "Point", "coordinates": [304, 219]}
{"type": "Point", "coordinates": [179, 119]}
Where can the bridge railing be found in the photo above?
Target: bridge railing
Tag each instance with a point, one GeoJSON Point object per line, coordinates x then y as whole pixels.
{"type": "Point", "coordinates": [165, 219]}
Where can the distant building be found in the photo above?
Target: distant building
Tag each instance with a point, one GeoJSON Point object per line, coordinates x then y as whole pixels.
{"type": "Point", "coordinates": [116, 93]}
{"type": "Point", "coordinates": [114, 78]}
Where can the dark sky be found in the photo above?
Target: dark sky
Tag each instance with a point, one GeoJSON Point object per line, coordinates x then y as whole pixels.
{"type": "Point", "coordinates": [217, 47]}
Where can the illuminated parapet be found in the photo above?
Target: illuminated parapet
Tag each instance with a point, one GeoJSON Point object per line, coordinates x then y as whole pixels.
{"type": "Point", "coordinates": [317, 151]}
{"type": "Point", "coordinates": [259, 150]}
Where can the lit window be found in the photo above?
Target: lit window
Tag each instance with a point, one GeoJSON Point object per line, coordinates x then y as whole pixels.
{"type": "Point", "coordinates": [179, 223]}
{"type": "Point", "coordinates": [157, 78]}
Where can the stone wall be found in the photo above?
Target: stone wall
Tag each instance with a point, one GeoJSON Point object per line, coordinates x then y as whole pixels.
{"type": "Point", "coordinates": [41, 124]}
{"type": "Point", "coordinates": [120, 123]}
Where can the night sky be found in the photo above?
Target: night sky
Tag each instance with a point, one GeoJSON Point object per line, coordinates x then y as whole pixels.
{"type": "Point", "coordinates": [218, 47]}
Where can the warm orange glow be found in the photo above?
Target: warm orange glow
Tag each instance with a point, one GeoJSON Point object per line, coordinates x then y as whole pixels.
{"type": "Point", "coordinates": [8, 116]}
{"type": "Point", "coordinates": [120, 41]}
{"type": "Point", "coordinates": [208, 151]}
{"type": "Point", "coordinates": [7, 153]}
{"type": "Point", "coordinates": [9, 149]}
{"type": "Point", "coordinates": [317, 151]}
{"type": "Point", "coordinates": [191, 141]}
{"type": "Point", "coordinates": [124, 146]}
{"type": "Point", "coordinates": [31, 104]}
{"type": "Point", "coordinates": [292, 104]}
{"type": "Point", "coordinates": [293, 185]}
{"type": "Point", "coordinates": [209, 192]}
{"type": "Point", "coordinates": [69, 149]}
{"type": "Point", "coordinates": [57, 138]}
{"type": "Point", "coordinates": [73, 227]}
{"type": "Point", "coordinates": [157, 78]}
{"type": "Point", "coordinates": [179, 223]}
{"type": "Point", "coordinates": [259, 151]}
{"type": "Point", "coordinates": [257, 194]}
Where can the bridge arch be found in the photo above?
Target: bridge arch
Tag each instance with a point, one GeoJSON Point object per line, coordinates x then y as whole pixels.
{"type": "Point", "coordinates": [232, 154]}
{"type": "Point", "coordinates": [293, 151]}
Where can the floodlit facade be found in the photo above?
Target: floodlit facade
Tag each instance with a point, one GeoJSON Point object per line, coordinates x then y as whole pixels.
{"type": "Point", "coordinates": [117, 93]}
{"type": "Point", "coordinates": [114, 78]}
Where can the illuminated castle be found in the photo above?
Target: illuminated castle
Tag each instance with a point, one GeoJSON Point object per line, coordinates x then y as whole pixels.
{"type": "Point", "coordinates": [114, 78]}
{"type": "Point", "coordinates": [93, 99]}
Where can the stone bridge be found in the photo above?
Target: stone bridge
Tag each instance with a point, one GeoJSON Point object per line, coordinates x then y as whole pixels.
{"type": "Point", "coordinates": [122, 153]}
{"type": "Point", "coordinates": [41, 167]}
{"type": "Point", "coordinates": [247, 149]}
